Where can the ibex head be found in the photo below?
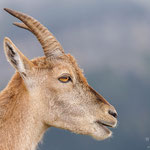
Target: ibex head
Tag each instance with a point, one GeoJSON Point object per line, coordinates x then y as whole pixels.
{"type": "Point", "coordinates": [57, 87]}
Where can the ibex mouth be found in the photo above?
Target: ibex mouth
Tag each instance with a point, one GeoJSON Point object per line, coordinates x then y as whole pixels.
{"type": "Point", "coordinates": [104, 123]}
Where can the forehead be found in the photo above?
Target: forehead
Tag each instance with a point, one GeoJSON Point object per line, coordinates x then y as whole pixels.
{"type": "Point", "coordinates": [77, 70]}
{"type": "Point", "coordinates": [65, 64]}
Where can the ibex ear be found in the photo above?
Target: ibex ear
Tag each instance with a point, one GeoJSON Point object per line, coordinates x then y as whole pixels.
{"type": "Point", "coordinates": [22, 64]}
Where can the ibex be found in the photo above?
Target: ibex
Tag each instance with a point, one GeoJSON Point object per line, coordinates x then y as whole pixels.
{"type": "Point", "coordinates": [49, 91]}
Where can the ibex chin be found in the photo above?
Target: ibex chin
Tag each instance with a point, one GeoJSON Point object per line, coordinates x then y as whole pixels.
{"type": "Point", "coordinates": [49, 91]}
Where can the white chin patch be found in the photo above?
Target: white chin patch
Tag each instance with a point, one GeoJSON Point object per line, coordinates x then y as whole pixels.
{"type": "Point", "coordinates": [101, 132]}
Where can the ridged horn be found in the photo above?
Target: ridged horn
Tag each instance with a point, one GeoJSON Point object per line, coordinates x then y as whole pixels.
{"type": "Point", "coordinates": [21, 25]}
{"type": "Point", "coordinates": [49, 43]}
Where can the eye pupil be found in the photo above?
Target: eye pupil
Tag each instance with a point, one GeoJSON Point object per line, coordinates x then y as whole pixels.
{"type": "Point", "coordinates": [64, 78]}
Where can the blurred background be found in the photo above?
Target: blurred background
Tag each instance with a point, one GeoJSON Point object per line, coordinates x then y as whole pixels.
{"type": "Point", "coordinates": [111, 42]}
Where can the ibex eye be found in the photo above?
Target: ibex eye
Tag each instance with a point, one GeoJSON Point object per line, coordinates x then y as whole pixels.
{"type": "Point", "coordinates": [64, 79]}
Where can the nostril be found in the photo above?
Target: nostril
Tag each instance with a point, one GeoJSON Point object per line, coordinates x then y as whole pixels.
{"type": "Point", "coordinates": [114, 114]}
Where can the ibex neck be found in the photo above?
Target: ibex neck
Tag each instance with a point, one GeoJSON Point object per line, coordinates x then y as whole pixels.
{"type": "Point", "coordinates": [20, 128]}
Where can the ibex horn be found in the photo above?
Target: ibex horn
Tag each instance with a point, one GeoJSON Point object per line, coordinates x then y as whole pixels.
{"type": "Point", "coordinates": [49, 43]}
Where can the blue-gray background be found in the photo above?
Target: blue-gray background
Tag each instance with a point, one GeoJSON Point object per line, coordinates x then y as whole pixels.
{"type": "Point", "coordinates": [111, 41]}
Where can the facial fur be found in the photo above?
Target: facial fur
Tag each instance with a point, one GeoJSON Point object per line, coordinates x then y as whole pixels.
{"type": "Point", "coordinates": [74, 105]}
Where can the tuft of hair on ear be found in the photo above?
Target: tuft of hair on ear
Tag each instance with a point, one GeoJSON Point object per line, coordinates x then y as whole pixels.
{"type": "Point", "coordinates": [21, 63]}
{"type": "Point", "coordinates": [9, 51]}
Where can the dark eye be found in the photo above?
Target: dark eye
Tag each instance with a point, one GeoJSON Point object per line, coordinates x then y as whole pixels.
{"type": "Point", "coordinates": [64, 79]}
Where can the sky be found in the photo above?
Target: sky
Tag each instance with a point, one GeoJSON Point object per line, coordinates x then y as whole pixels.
{"type": "Point", "coordinates": [111, 42]}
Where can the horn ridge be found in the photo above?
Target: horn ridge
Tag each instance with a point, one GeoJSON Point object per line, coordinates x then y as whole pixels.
{"type": "Point", "coordinates": [48, 42]}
